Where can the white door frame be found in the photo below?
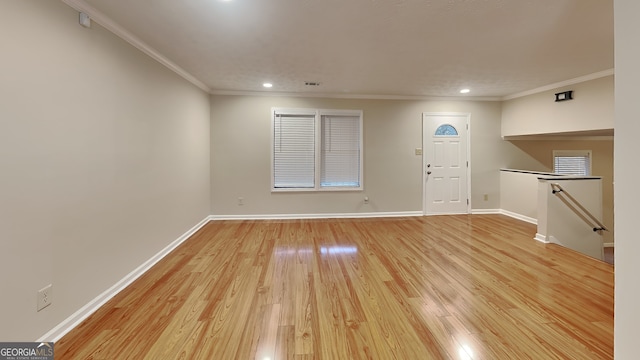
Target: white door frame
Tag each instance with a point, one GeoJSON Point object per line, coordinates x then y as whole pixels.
{"type": "Point", "coordinates": [425, 146]}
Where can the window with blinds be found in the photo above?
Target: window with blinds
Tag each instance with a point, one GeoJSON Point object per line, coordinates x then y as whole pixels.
{"type": "Point", "coordinates": [316, 150]}
{"type": "Point", "coordinates": [293, 151]}
{"type": "Point", "coordinates": [340, 151]}
{"type": "Point", "coordinates": [574, 162]}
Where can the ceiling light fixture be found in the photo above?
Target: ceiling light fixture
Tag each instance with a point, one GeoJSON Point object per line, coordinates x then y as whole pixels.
{"type": "Point", "coordinates": [464, 91]}
{"type": "Point", "coordinates": [267, 85]}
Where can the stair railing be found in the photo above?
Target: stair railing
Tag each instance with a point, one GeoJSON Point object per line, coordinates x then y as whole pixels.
{"type": "Point", "coordinates": [577, 208]}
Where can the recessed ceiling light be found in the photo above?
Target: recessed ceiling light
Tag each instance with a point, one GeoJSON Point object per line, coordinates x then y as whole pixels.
{"type": "Point", "coordinates": [267, 85]}
{"type": "Point", "coordinates": [464, 91]}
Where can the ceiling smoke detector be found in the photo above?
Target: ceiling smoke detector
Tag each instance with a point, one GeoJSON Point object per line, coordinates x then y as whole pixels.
{"type": "Point", "coordinates": [311, 83]}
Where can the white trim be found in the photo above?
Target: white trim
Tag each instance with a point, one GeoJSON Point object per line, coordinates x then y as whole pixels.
{"type": "Point", "coordinates": [553, 240]}
{"type": "Point", "coordinates": [316, 216]}
{"type": "Point", "coordinates": [541, 238]}
{"type": "Point", "coordinates": [76, 318]}
{"type": "Point", "coordinates": [446, 214]}
{"type": "Point", "coordinates": [506, 213]}
{"type": "Point", "coordinates": [469, 164]}
{"type": "Point", "coordinates": [608, 245]}
{"type": "Point", "coordinates": [353, 96]}
{"type": "Point", "coordinates": [573, 81]}
{"type": "Point", "coordinates": [558, 138]}
{"type": "Point", "coordinates": [116, 29]}
{"type": "Point", "coordinates": [519, 216]}
{"type": "Point", "coordinates": [485, 211]}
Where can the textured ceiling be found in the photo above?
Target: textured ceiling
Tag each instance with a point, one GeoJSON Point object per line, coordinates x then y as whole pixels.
{"type": "Point", "coordinates": [374, 47]}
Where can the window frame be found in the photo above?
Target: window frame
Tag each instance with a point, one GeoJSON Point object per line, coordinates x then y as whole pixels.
{"type": "Point", "coordinates": [574, 153]}
{"type": "Point", "coordinates": [318, 114]}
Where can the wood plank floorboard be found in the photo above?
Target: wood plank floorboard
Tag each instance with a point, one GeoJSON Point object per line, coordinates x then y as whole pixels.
{"type": "Point", "coordinates": [439, 287]}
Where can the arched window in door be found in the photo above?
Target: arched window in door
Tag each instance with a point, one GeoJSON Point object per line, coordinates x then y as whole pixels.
{"type": "Point", "coordinates": [446, 130]}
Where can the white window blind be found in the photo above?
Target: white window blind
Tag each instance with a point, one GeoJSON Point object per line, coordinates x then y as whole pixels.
{"type": "Point", "coordinates": [572, 162]}
{"type": "Point", "coordinates": [340, 151]}
{"type": "Point", "coordinates": [294, 151]}
{"type": "Point", "coordinates": [316, 149]}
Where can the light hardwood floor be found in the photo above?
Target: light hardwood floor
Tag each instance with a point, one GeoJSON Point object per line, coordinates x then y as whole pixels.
{"type": "Point", "coordinates": [438, 287]}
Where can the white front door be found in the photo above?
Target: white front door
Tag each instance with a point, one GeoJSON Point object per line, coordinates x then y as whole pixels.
{"type": "Point", "coordinates": [445, 163]}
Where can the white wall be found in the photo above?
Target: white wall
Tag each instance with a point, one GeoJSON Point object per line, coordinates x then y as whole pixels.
{"type": "Point", "coordinates": [627, 196]}
{"type": "Point", "coordinates": [104, 158]}
{"type": "Point", "coordinates": [240, 132]}
{"type": "Point", "coordinates": [539, 155]}
{"type": "Point", "coordinates": [519, 194]}
{"type": "Point", "coordinates": [591, 109]}
{"type": "Point", "coordinates": [560, 219]}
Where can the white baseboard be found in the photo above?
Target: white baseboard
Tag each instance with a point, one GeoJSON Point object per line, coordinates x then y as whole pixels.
{"type": "Point", "coordinates": [76, 318]}
{"type": "Point", "coordinates": [519, 216]}
{"type": "Point", "coordinates": [608, 245]}
{"type": "Point", "coordinates": [316, 216]}
{"type": "Point", "coordinates": [485, 211]}
{"type": "Point", "coordinates": [541, 238]}
{"type": "Point", "coordinates": [361, 215]}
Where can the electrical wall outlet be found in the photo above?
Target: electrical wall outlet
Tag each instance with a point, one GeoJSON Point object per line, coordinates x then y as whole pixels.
{"type": "Point", "coordinates": [44, 297]}
{"type": "Point", "coordinates": [486, 197]}
{"type": "Point", "coordinates": [240, 201]}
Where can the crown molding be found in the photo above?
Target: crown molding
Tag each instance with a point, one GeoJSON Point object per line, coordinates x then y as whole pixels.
{"type": "Point", "coordinates": [353, 96]}
{"type": "Point", "coordinates": [573, 81]}
{"type": "Point", "coordinates": [115, 28]}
